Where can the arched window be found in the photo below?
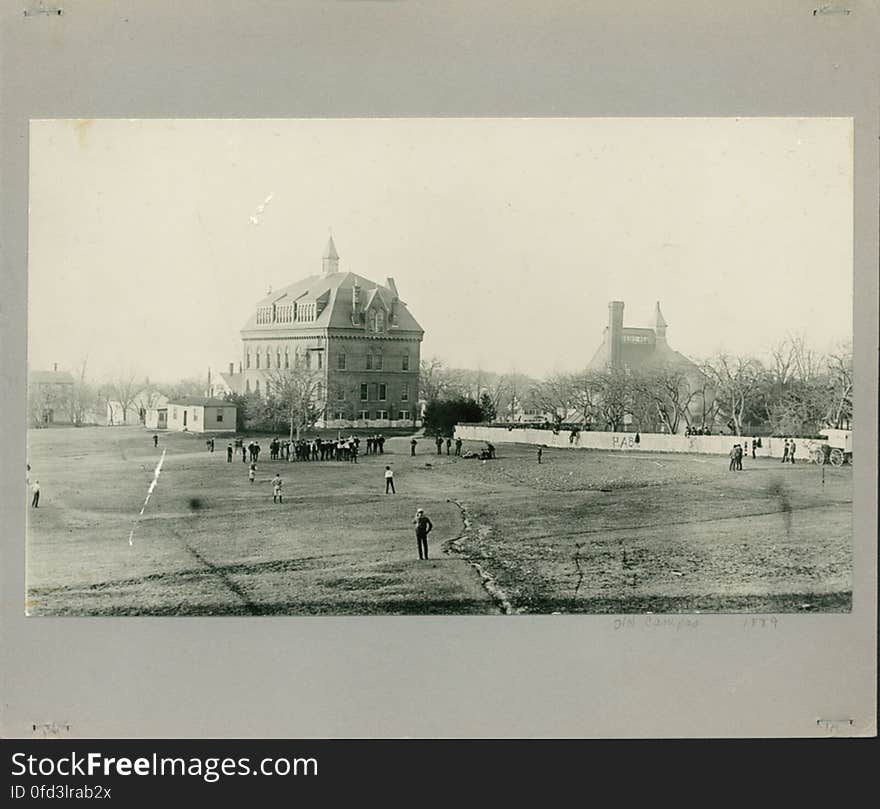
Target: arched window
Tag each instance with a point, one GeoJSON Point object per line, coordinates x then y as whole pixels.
{"type": "Point", "coordinates": [278, 358]}
{"type": "Point", "coordinates": [258, 358]}
{"type": "Point", "coordinates": [380, 321]}
{"type": "Point", "coordinates": [257, 386]}
{"type": "Point", "coordinates": [373, 321]}
{"type": "Point", "coordinates": [286, 357]}
{"type": "Point", "coordinates": [247, 386]}
{"type": "Point", "coordinates": [268, 388]}
{"type": "Point", "coordinates": [247, 359]}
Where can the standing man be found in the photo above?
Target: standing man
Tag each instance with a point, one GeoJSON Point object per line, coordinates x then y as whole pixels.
{"type": "Point", "coordinates": [389, 480]}
{"type": "Point", "coordinates": [739, 458]}
{"type": "Point", "coordinates": [458, 446]}
{"type": "Point", "coordinates": [491, 449]}
{"type": "Point", "coordinates": [412, 447]}
{"type": "Point", "coordinates": [276, 489]}
{"type": "Point", "coordinates": [155, 440]}
{"type": "Point", "coordinates": [754, 445]}
{"type": "Point", "coordinates": [791, 450]}
{"type": "Point", "coordinates": [439, 442]}
{"type": "Point", "coordinates": [423, 528]}
{"type": "Point", "coordinates": [732, 455]}
{"type": "Point", "coordinates": [243, 453]}
{"type": "Point", "coordinates": [540, 453]}
{"type": "Point", "coordinates": [448, 445]}
{"type": "Point", "coordinates": [381, 440]}
{"type": "Point", "coordinates": [785, 452]}
{"type": "Point", "coordinates": [35, 488]}
{"type": "Point", "coordinates": [229, 452]}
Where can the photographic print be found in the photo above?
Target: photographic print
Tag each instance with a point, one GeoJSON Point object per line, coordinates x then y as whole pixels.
{"type": "Point", "coordinates": [440, 366]}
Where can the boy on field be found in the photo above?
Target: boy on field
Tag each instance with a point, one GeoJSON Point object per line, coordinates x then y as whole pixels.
{"type": "Point", "coordinates": [389, 480]}
{"type": "Point", "coordinates": [276, 489]}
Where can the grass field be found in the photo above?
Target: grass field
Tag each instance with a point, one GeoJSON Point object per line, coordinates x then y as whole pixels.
{"type": "Point", "coordinates": [586, 531]}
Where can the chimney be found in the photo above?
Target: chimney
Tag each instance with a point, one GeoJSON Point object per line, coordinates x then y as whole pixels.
{"type": "Point", "coordinates": [231, 368]}
{"type": "Point", "coordinates": [389, 282]}
{"type": "Point", "coordinates": [615, 331]}
{"type": "Point", "coordinates": [355, 297]}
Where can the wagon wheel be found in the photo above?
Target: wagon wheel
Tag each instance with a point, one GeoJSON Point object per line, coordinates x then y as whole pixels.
{"type": "Point", "coordinates": [836, 457]}
{"type": "Point", "coordinates": [819, 456]}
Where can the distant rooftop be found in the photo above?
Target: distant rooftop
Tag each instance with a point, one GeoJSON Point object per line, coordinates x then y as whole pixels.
{"type": "Point", "coordinates": [200, 401]}
{"type": "Point", "coordinates": [50, 377]}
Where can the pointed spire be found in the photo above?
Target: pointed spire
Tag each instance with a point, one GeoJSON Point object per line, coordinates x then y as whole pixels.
{"type": "Point", "coordinates": [659, 321]}
{"type": "Point", "coordinates": [330, 260]}
{"type": "Point", "coordinates": [658, 316]}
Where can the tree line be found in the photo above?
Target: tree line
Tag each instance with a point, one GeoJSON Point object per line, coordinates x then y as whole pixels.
{"type": "Point", "coordinates": [795, 390]}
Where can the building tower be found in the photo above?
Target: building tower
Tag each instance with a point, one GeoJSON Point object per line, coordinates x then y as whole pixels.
{"type": "Point", "coordinates": [330, 260]}
{"type": "Point", "coordinates": [615, 332]}
{"type": "Point", "coordinates": [659, 324]}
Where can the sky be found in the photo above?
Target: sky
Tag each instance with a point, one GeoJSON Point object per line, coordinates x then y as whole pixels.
{"type": "Point", "coordinates": [150, 241]}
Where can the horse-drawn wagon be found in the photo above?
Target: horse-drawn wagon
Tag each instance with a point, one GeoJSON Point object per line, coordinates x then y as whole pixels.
{"type": "Point", "coordinates": [836, 448]}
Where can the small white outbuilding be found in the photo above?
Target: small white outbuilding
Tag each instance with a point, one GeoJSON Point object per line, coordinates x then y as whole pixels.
{"type": "Point", "coordinates": [200, 415]}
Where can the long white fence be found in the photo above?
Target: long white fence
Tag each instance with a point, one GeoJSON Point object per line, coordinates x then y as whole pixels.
{"type": "Point", "coordinates": [626, 442]}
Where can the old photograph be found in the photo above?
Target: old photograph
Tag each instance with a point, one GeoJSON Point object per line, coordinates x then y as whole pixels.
{"type": "Point", "coordinates": [412, 366]}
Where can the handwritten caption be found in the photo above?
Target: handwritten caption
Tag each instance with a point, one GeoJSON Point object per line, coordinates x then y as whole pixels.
{"type": "Point", "coordinates": [680, 622]}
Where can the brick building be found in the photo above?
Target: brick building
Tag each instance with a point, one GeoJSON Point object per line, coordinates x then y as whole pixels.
{"type": "Point", "coordinates": [637, 347]}
{"type": "Point", "coordinates": [357, 336]}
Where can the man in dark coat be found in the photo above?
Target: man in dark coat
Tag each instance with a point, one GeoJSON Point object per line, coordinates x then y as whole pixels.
{"type": "Point", "coordinates": [423, 528]}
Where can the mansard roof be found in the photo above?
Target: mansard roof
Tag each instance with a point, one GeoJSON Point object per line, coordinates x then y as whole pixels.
{"type": "Point", "coordinates": [335, 291]}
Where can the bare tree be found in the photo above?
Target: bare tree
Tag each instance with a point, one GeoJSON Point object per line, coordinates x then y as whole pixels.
{"type": "Point", "coordinates": [806, 363]}
{"type": "Point", "coordinates": [584, 395]}
{"type": "Point", "coordinates": [552, 395]}
{"type": "Point", "coordinates": [737, 382]}
{"type": "Point", "coordinates": [123, 389]}
{"type": "Point", "coordinates": [840, 386]}
{"type": "Point", "coordinates": [670, 391]}
{"type": "Point", "coordinates": [614, 396]}
{"type": "Point", "coordinates": [190, 386]}
{"type": "Point", "coordinates": [299, 393]}
{"type": "Point", "coordinates": [85, 396]}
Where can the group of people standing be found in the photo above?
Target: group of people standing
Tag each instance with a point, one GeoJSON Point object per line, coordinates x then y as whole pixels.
{"type": "Point", "coordinates": [311, 449]}
{"type": "Point", "coordinates": [688, 431]}
{"type": "Point", "coordinates": [376, 444]}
